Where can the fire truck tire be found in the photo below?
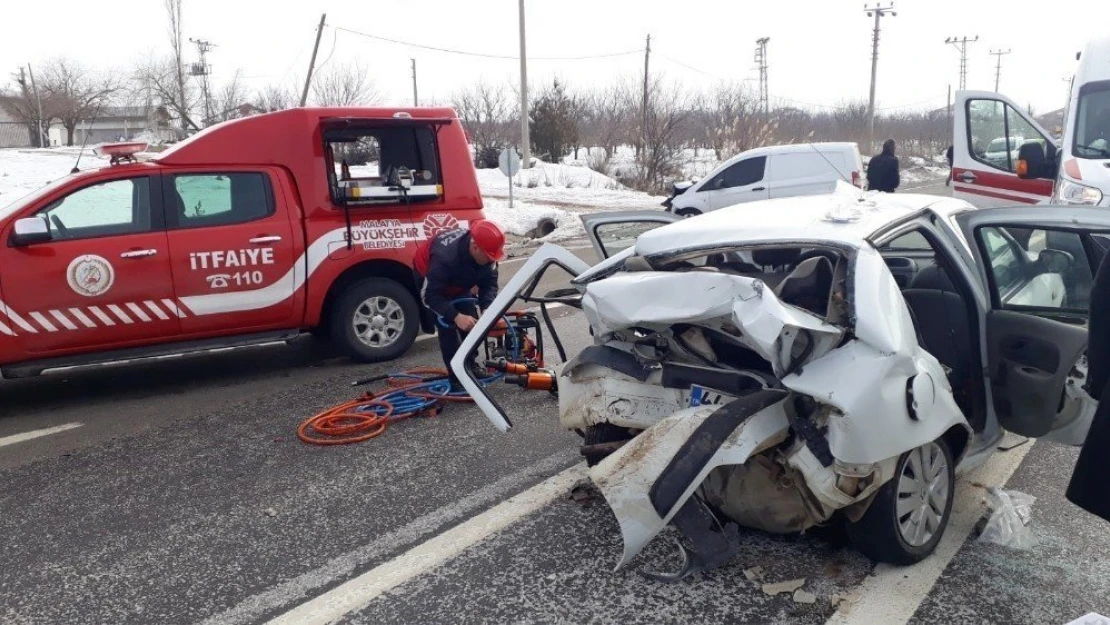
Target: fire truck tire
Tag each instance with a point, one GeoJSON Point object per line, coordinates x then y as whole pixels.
{"type": "Point", "coordinates": [375, 319]}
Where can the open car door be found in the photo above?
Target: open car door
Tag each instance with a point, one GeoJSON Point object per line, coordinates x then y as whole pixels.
{"type": "Point", "coordinates": [1037, 266]}
{"type": "Point", "coordinates": [615, 232]}
{"type": "Point", "coordinates": [988, 133]}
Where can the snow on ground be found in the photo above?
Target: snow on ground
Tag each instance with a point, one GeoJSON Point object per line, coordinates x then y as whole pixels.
{"type": "Point", "coordinates": [574, 187]}
{"type": "Point", "coordinates": [24, 171]}
{"type": "Point", "coordinates": [559, 192]}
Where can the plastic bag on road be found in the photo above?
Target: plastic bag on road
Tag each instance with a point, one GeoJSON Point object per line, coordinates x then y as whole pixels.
{"type": "Point", "coordinates": [1009, 523]}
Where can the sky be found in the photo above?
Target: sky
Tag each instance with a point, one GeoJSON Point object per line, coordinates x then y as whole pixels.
{"type": "Point", "coordinates": [819, 54]}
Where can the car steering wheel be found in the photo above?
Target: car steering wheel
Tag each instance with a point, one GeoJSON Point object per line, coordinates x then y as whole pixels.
{"type": "Point", "coordinates": [59, 225]}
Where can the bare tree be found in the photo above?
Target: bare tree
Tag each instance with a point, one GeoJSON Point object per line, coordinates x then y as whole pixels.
{"type": "Point", "coordinates": [660, 154]}
{"type": "Point", "coordinates": [486, 111]}
{"type": "Point", "coordinates": [613, 115]}
{"type": "Point", "coordinates": [275, 98]}
{"type": "Point", "coordinates": [734, 122]}
{"type": "Point", "coordinates": [25, 108]}
{"type": "Point", "coordinates": [77, 93]}
{"type": "Point", "coordinates": [344, 85]}
{"type": "Point", "coordinates": [230, 102]}
{"type": "Point", "coordinates": [180, 99]}
{"type": "Point", "coordinates": [156, 81]}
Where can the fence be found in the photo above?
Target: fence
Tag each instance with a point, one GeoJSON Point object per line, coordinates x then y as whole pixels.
{"type": "Point", "coordinates": [16, 135]}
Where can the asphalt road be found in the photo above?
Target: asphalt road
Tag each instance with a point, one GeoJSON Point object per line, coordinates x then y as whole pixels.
{"type": "Point", "coordinates": [184, 496]}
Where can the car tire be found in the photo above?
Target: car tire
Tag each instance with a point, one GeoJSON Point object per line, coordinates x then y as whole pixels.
{"type": "Point", "coordinates": [887, 532]}
{"type": "Point", "coordinates": [599, 434]}
{"type": "Point", "coordinates": [687, 212]}
{"type": "Point", "coordinates": [375, 320]}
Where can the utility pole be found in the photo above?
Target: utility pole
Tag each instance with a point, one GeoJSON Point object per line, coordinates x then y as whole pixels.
{"type": "Point", "coordinates": [878, 12]}
{"type": "Point", "coordinates": [203, 70]}
{"type": "Point", "coordinates": [525, 136]}
{"type": "Point", "coordinates": [761, 61]}
{"type": "Point", "coordinates": [644, 111]}
{"type": "Point", "coordinates": [43, 139]}
{"type": "Point", "coordinates": [415, 101]}
{"type": "Point", "coordinates": [312, 61]}
{"type": "Point", "coordinates": [998, 66]}
{"type": "Point", "coordinates": [961, 45]}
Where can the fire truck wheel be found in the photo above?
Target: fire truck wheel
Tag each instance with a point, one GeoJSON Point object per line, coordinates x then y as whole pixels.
{"type": "Point", "coordinates": [374, 320]}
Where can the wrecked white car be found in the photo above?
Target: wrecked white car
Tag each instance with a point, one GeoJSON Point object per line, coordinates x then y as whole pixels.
{"type": "Point", "coordinates": [790, 363]}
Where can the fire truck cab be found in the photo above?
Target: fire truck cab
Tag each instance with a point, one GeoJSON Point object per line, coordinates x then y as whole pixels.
{"type": "Point", "coordinates": [251, 231]}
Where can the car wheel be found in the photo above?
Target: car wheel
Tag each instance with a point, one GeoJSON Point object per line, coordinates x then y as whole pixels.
{"type": "Point", "coordinates": [375, 320]}
{"type": "Point", "coordinates": [910, 512]}
{"type": "Point", "coordinates": [601, 434]}
{"type": "Point", "coordinates": [687, 212]}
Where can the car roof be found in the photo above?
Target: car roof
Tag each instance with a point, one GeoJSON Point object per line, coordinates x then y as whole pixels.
{"type": "Point", "coordinates": [1094, 61]}
{"type": "Point", "coordinates": [847, 217]}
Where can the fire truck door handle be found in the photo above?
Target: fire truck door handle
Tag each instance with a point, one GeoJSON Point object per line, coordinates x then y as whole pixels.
{"type": "Point", "coordinates": [263, 240]}
{"type": "Point", "coordinates": [138, 253]}
{"type": "Point", "coordinates": [967, 176]}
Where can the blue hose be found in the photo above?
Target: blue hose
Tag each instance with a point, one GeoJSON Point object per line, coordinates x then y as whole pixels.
{"type": "Point", "coordinates": [404, 404]}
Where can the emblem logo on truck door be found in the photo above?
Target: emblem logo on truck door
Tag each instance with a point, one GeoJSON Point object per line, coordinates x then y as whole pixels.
{"type": "Point", "coordinates": [90, 275]}
{"type": "Point", "coordinates": [434, 224]}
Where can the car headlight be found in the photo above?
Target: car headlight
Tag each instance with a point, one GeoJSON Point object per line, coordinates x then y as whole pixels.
{"type": "Point", "coordinates": [1074, 193]}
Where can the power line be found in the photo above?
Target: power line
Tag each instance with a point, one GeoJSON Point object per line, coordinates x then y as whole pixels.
{"type": "Point", "coordinates": [485, 55]}
{"type": "Point", "coordinates": [689, 67]}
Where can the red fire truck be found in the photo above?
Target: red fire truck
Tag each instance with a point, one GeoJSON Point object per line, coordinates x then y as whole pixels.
{"type": "Point", "coordinates": [251, 231]}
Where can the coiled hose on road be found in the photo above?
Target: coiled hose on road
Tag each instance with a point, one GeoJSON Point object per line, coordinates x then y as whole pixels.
{"type": "Point", "coordinates": [416, 392]}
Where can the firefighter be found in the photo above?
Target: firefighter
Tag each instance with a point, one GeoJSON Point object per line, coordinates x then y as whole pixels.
{"type": "Point", "coordinates": [458, 264]}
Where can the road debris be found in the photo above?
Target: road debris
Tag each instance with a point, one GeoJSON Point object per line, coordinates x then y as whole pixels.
{"type": "Point", "coordinates": [584, 494]}
{"type": "Point", "coordinates": [781, 587]}
{"type": "Point", "coordinates": [1009, 524]}
{"type": "Point", "coordinates": [844, 601]}
{"type": "Point", "coordinates": [270, 512]}
{"type": "Point", "coordinates": [801, 596]}
{"type": "Point", "coordinates": [754, 574]}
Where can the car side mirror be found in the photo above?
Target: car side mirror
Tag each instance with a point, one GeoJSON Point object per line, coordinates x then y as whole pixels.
{"type": "Point", "coordinates": [1031, 161]}
{"type": "Point", "coordinates": [30, 230]}
{"type": "Point", "coordinates": [1055, 261]}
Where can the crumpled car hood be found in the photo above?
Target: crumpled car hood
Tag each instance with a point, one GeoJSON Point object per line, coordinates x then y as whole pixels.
{"type": "Point", "coordinates": [660, 299]}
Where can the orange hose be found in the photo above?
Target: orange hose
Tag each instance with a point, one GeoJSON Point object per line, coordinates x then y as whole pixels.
{"type": "Point", "coordinates": [345, 424]}
{"type": "Point", "coordinates": [341, 425]}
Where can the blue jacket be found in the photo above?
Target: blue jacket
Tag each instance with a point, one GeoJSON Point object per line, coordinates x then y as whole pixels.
{"type": "Point", "coordinates": [449, 272]}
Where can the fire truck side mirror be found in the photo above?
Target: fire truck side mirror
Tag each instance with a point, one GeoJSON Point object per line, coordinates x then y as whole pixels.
{"type": "Point", "coordinates": [30, 230]}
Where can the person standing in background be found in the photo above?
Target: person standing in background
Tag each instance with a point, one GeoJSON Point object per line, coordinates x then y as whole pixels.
{"type": "Point", "coordinates": [882, 171]}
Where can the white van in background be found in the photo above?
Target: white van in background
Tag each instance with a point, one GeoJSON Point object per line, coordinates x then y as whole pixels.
{"type": "Point", "coordinates": [770, 172]}
{"type": "Point", "coordinates": [1035, 170]}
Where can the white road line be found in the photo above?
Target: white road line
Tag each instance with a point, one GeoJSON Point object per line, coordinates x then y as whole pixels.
{"type": "Point", "coordinates": [360, 591]}
{"type": "Point", "coordinates": [302, 587]}
{"type": "Point", "coordinates": [892, 595]}
{"type": "Point", "coordinates": [26, 436]}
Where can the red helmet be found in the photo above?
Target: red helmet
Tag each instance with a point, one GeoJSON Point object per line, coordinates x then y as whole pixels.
{"type": "Point", "coordinates": [489, 238]}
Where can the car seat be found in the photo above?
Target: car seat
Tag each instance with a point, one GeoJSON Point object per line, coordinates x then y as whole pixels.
{"type": "Point", "coordinates": [808, 285]}
{"type": "Point", "coordinates": [944, 326]}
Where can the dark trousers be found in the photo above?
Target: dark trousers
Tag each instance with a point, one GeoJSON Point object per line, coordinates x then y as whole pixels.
{"type": "Point", "coordinates": [451, 337]}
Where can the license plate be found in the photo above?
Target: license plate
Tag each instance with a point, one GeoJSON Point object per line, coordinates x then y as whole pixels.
{"type": "Point", "coordinates": [701, 396]}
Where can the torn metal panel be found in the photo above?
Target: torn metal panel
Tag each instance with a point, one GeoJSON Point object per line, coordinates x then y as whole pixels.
{"type": "Point", "coordinates": [548, 255]}
{"type": "Point", "coordinates": [882, 317]}
{"type": "Point", "coordinates": [868, 389]}
{"type": "Point", "coordinates": [766, 325]}
{"type": "Point", "coordinates": [647, 480]}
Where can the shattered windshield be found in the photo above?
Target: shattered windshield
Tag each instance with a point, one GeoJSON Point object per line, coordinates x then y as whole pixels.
{"type": "Point", "coordinates": [1092, 121]}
